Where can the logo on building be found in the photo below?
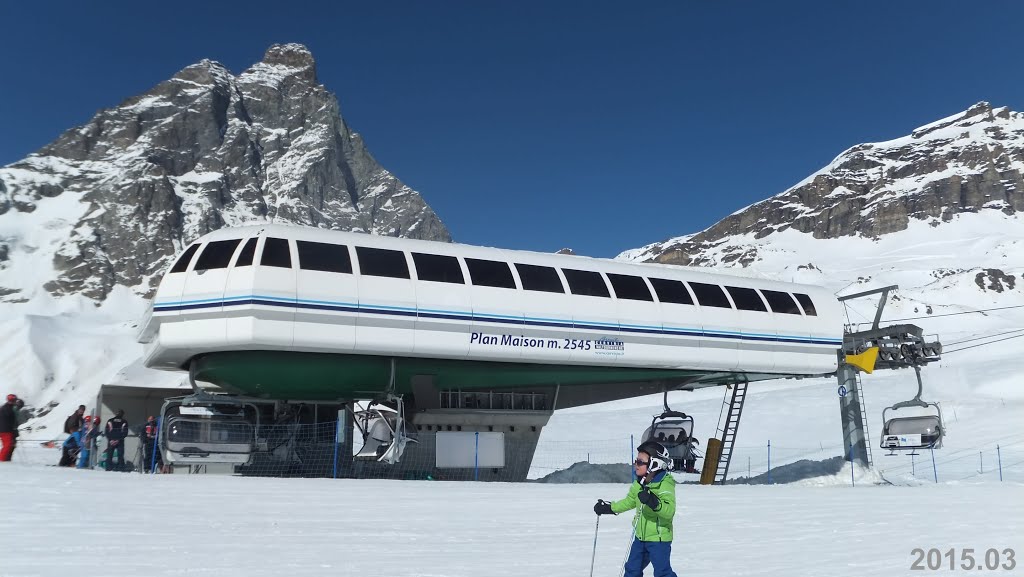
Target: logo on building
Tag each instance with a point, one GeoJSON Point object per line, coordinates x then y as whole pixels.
{"type": "Point", "coordinates": [609, 345]}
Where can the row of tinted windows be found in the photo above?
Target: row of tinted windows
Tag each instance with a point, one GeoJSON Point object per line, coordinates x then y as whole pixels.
{"type": "Point", "coordinates": [441, 268]}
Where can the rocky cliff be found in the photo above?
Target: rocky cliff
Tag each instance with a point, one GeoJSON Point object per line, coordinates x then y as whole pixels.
{"type": "Point", "coordinates": [966, 163]}
{"type": "Point", "coordinates": [110, 203]}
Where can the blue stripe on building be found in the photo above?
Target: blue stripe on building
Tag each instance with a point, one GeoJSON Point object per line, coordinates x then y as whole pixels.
{"type": "Point", "coordinates": [498, 319]}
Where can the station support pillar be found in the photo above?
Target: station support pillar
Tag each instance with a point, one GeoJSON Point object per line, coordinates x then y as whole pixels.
{"type": "Point", "coordinates": [852, 412]}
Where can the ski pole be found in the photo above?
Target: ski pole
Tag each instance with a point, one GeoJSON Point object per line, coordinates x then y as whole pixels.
{"type": "Point", "coordinates": [632, 537]}
{"type": "Point", "coordinates": [593, 555]}
{"type": "Point", "coordinates": [632, 531]}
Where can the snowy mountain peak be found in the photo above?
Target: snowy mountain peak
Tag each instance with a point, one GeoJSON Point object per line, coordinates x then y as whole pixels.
{"type": "Point", "coordinates": [292, 55]}
{"type": "Point", "coordinates": [969, 162]}
{"type": "Point", "coordinates": [204, 72]}
{"type": "Point", "coordinates": [281, 63]}
{"type": "Point", "coordinates": [980, 112]}
{"type": "Point", "coordinates": [109, 203]}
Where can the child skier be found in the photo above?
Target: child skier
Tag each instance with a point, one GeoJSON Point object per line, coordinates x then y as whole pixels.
{"type": "Point", "coordinates": [653, 494]}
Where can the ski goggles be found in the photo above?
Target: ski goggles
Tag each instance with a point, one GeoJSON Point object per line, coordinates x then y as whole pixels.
{"type": "Point", "coordinates": [640, 463]}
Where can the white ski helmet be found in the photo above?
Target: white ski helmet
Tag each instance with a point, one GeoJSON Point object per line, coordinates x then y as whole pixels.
{"type": "Point", "coordinates": [661, 460]}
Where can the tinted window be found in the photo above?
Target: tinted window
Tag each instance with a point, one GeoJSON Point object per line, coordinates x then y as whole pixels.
{"type": "Point", "coordinates": [185, 258]}
{"type": "Point", "coordinates": [671, 291]}
{"type": "Point", "coordinates": [217, 254]}
{"type": "Point", "coordinates": [746, 299]}
{"type": "Point", "coordinates": [805, 301]}
{"type": "Point", "coordinates": [382, 262]}
{"type": "Point", "coordinates": [323, 256]}
{"type": "Point", "coordinates": [275, 253]}
{"type": "Point", "coordinates": [585, 282]}
{"type": "Point", "coordinates": [540, 278]}
{"type": "Point", "coordinates": [248, 252]}
{"type": "Point", "coordinates": [630, 287]}
{"type": "Point", "coordinates": [437, 268]}
{"type": "Point", "coordinates": [490, 273]}
{"type": "Point", "coordinates": [781, 302]}
{"type": "Point", "coordinates": [710, 295]}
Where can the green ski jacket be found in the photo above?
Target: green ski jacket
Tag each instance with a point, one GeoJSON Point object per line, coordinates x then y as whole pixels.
{"type": "Point", "coordinates": [652, 525]}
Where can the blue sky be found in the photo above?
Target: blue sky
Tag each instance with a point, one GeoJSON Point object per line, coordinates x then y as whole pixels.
{"type": "Point", "coordinates": [600, 126]}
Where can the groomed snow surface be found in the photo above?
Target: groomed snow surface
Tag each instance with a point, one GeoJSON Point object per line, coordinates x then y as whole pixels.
{"type": "Point", "coordinates": [821, 521]}
{"type": "Point", "coordinates": [63, 522]}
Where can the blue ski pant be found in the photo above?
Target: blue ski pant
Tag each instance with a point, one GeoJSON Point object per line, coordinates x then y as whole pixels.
{"type": "Point", "coordinates": [644, 553]}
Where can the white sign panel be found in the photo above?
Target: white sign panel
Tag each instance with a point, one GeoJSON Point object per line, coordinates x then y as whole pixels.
{"type": "Point", "coordinates": [898, 441]}
{"type": "Point", "coordinates": [198, 411]}
{"type": "Point", "coordinates": [910, 440]}
{"type": "Point", "coordinates": [339, 434]}
{"type": "Point", "coordinates": [461, 450]}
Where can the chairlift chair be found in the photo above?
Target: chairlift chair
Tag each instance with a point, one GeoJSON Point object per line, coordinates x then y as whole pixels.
{"type": "Point", "coordinates": [674, 430]}
{"type": "Point", "coordinates": [912, 430]}
{"type": "Point", "coordinates": [383, 430]}
{"type": "Point", "coordinates": [203, 429]}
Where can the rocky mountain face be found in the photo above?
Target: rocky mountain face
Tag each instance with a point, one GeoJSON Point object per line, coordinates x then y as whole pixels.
{"type": "Point", "coordinates": [121, 195]}
{"type": "Point", "coordinates": [967, 163]}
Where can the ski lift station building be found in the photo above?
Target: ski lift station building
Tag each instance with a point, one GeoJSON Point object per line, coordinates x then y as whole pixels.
{"type": "Point", "coordinates": [466, 339]}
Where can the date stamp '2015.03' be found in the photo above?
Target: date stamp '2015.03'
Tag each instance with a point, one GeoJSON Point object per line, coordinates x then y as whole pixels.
{"type": "Point", "coordinates": [967, 559]}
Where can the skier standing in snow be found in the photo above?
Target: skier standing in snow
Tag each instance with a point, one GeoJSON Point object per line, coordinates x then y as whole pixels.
{"type": "Point", "coordinates": [8, 427]}
{"type": "Point", "coordinates": [653, 494]}
{"type": "Point", "coordinates": [69, 450]}
{"type": "Point", "coordinates": [151, 460]}
{"type": "Point", "coordinates": [117, 430]}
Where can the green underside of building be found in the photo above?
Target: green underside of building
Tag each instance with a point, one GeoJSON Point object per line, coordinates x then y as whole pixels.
{"type": "Point", "coordinates": [327, 377]}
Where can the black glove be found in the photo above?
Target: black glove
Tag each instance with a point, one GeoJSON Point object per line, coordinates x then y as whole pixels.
{"type": "Point", "coordinates": [648, 498]}
{"type": "Point", "coordinates": [603, 508]}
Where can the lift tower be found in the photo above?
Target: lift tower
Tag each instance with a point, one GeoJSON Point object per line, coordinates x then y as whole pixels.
{"type": "Point", "coordinates": [893, 347]}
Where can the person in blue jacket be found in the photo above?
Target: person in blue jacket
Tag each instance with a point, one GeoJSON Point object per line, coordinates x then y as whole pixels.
{"type": "Point", "coordinates": [89, 436]}
{"type": "Point", "coordinates": [72, 445]}
{"type": "Point", "coordinates": [653, 495]}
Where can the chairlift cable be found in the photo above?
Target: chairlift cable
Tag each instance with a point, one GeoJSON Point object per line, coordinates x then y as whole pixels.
{"type": "Point", "coordinates": [954, 314]}
{"type": "Point", "coordinates": [982, 344]}
{"type": "Point", "coordinates": [982, 337]}
{"type": "Point", "coordinates": [867, 318]}
{"type": "Point", "coordinates": [956, 455]}
{"type": "Point", "coordinates": [851, 283]}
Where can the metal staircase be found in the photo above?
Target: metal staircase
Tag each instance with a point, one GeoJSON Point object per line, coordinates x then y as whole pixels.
{"type": "Point", "coordinates": [728, 428]}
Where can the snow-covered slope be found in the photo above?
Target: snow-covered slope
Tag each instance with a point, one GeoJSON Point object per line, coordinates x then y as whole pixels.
{"type": "Point", "coordinates": [973, 262]}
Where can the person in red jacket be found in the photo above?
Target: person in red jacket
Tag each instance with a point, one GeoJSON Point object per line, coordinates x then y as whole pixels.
{"type": "Point", "coordinates": [151, 459]}
{"type": "Point", "coordinates": [8, 427]}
